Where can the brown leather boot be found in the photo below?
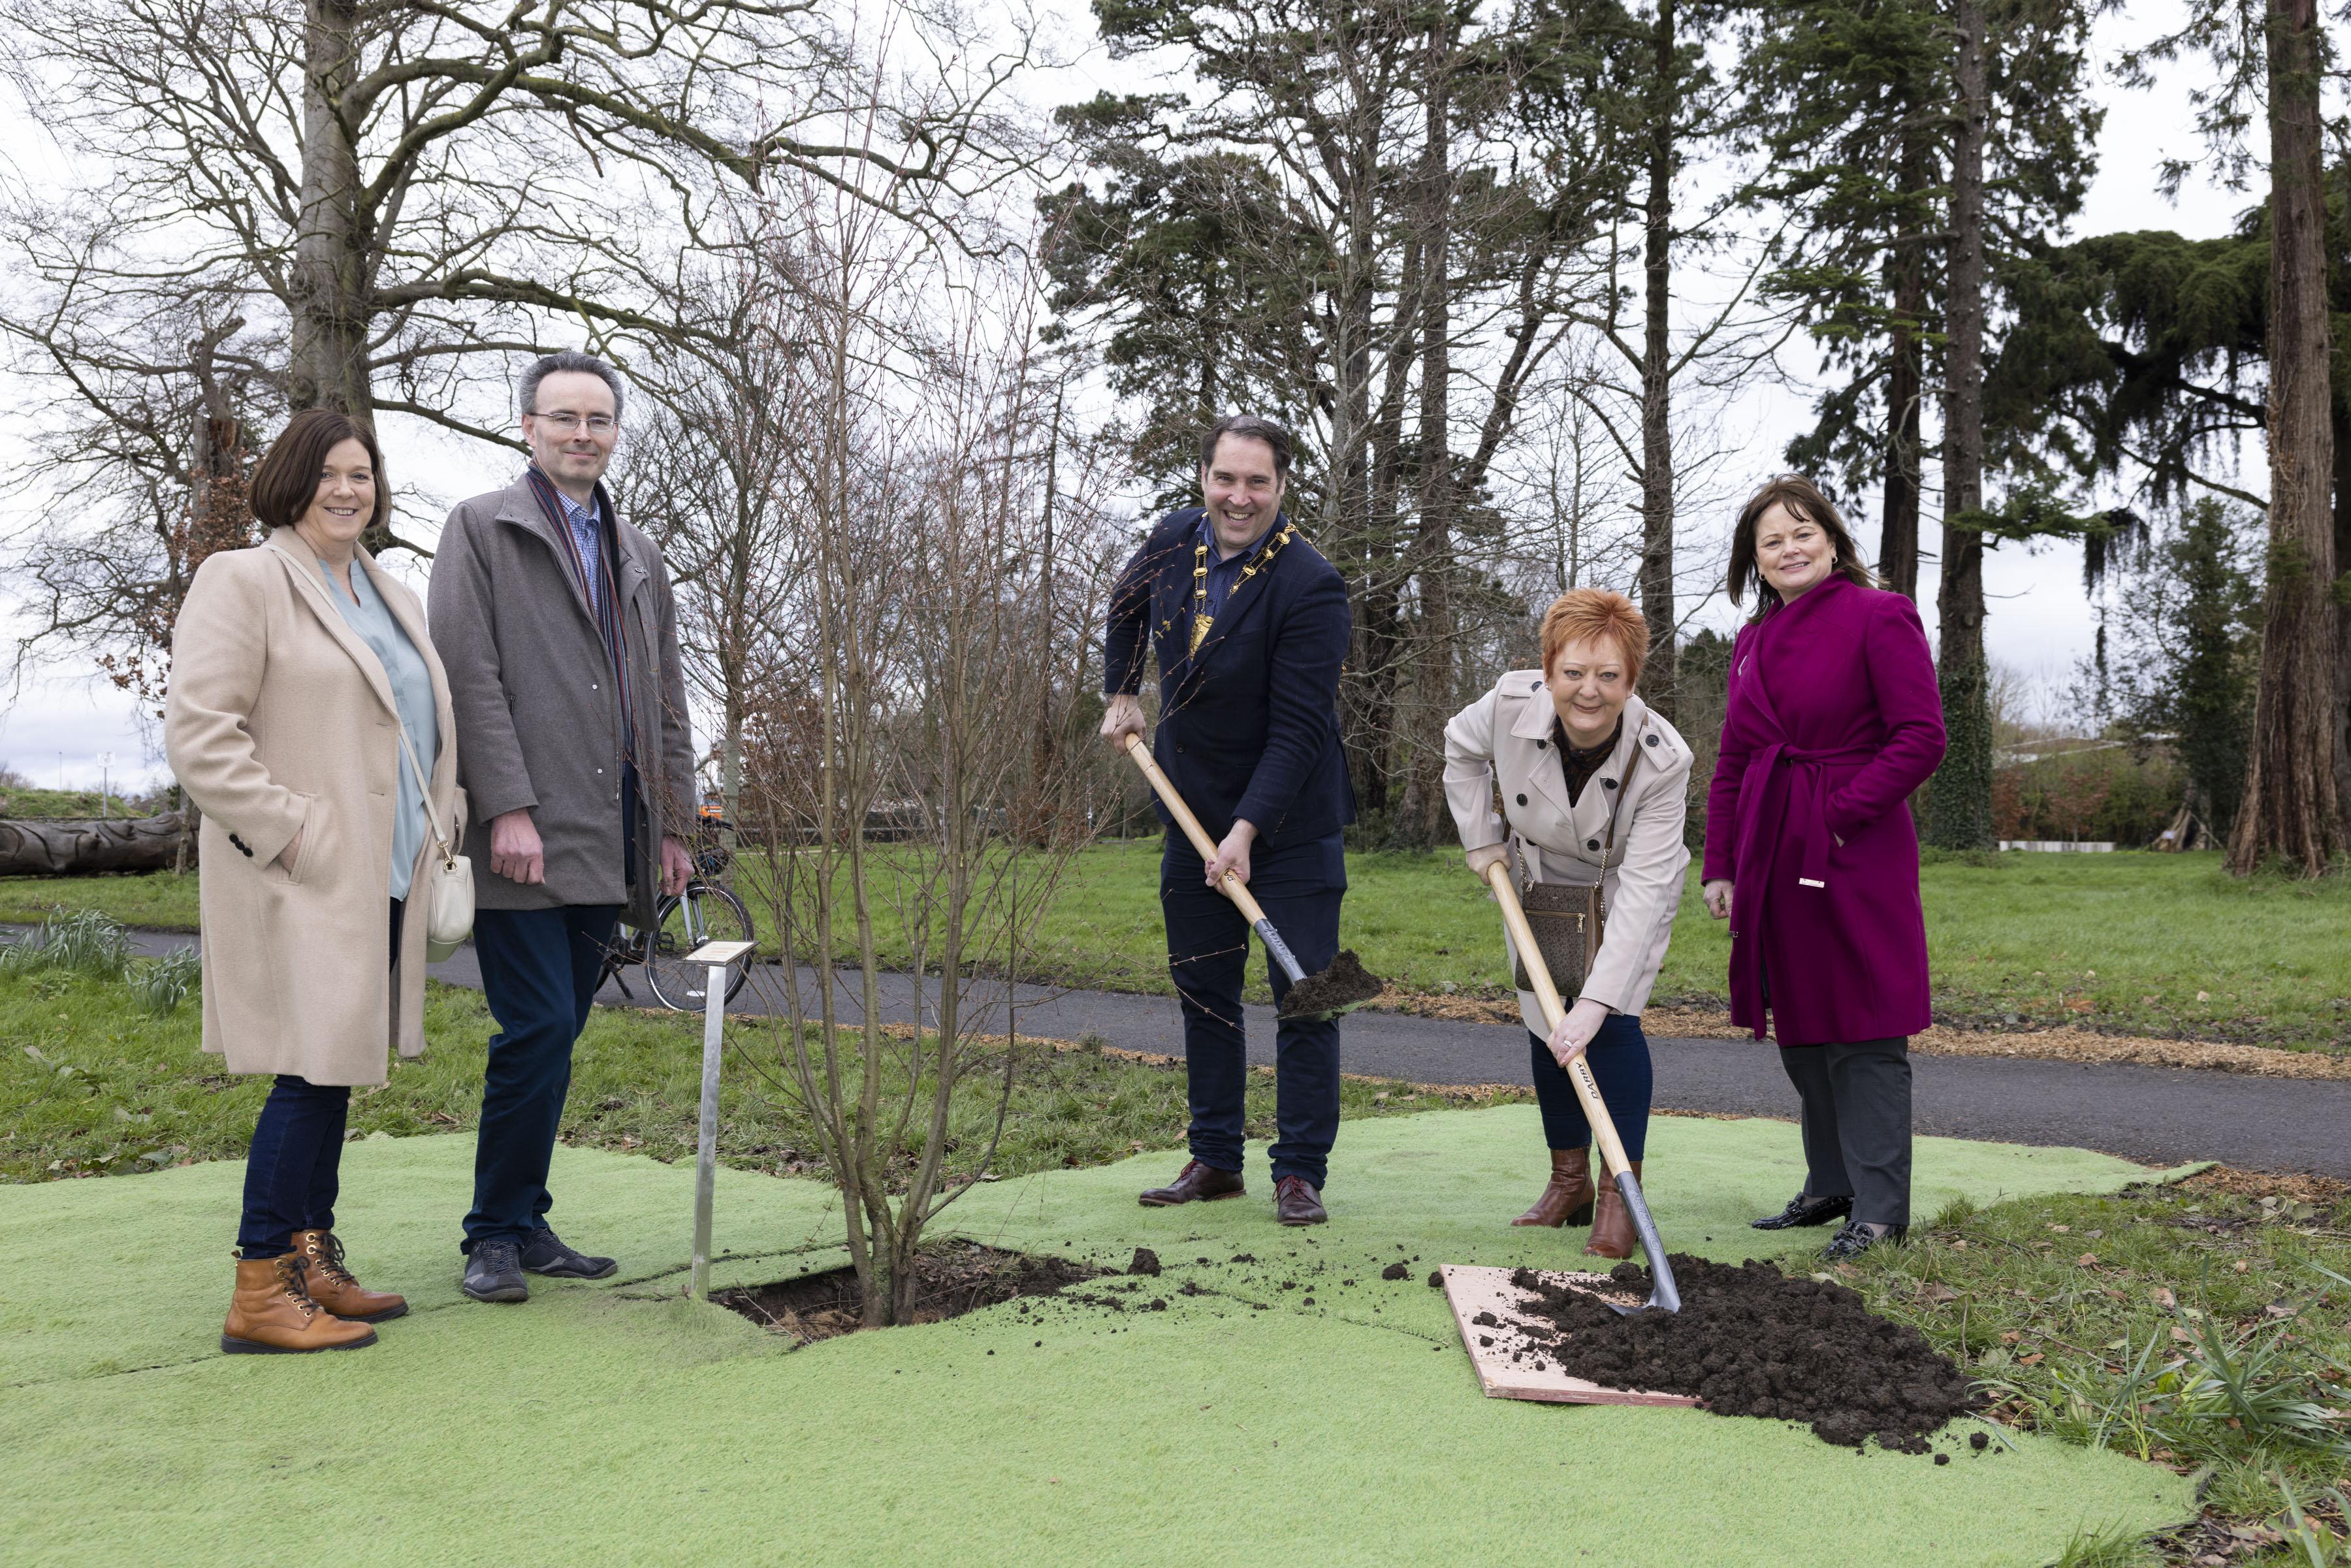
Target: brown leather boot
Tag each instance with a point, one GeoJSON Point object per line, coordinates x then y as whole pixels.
{"type": "Point", "coordinates": [332, 1285]}
{"type": "Point", "coordinates": [1612, 1227]}
{"type": "Point", "coordinates": [271, 1314]}
{"type": "Point", "coordinates": [1566, 1199]}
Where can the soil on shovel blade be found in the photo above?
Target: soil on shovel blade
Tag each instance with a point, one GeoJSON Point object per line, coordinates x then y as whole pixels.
{"type": "Point", "coordinates": [1343, 985]}
{"type": "Point", "coordinates": [1751, 1341]}
{"type": "Point", "coordinates": [949, 1281]}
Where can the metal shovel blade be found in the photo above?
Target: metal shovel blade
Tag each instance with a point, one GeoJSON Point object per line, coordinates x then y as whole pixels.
{"type": "Point", "coordinates": [1663, 1292]}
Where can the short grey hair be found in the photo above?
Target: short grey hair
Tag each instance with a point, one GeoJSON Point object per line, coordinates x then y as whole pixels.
{"type": "Point", "coordinates": [546, 365]}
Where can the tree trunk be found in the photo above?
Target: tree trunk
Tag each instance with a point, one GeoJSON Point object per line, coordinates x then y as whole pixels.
{"type": "Point", "coordinates": [2292, 809]}
{"type": "Point", "coordinates": [1657, 584]}
{"type": "Point", "coordinates": [1961, 792]}
{"type": "Point", "coordinates": [1432, 549]}
{"type": "Point", "coordinates": [2343, 622]}
{"type": "Point", "coordinates": [78, 846]}
{"type": "Point", "coordinates": [327, 360]}
{"type": "Point", "coordinates": [1897, 541]}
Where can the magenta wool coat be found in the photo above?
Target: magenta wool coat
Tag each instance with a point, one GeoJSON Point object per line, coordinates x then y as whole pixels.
{"type": "Point", "coordinates": [1832, 720]}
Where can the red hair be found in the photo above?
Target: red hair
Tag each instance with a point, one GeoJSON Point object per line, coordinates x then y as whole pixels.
{"type": "Point", "coordinates": [1588, 614]}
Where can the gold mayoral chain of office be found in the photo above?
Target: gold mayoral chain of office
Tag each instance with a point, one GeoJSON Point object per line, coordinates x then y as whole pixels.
{"type": "Point", "coordinates": [1201, 619]}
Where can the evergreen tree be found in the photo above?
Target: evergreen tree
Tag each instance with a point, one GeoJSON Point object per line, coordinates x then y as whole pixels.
{"type": "Point", "coordinates": [2190, 651]}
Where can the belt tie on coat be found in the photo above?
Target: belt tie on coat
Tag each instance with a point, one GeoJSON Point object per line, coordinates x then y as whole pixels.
{"type": "Point", "coordinates": [1783, 781]}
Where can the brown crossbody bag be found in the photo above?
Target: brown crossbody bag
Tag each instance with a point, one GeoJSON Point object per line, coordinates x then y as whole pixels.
{"type": "Point", "coordinates": [1566, 918]}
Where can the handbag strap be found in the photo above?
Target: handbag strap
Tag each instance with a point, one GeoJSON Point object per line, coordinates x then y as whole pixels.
{"type": "Point", "coordinates": [424, 797]}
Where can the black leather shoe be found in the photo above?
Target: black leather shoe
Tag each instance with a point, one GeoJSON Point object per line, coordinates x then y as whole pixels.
{"type": "Point", "coordinates": [1857, 1236]}
{"type": "Point", "coordinates": [545, 1254]}
{"type": "Point", "coordinates": [494, 1273]}
{"type": "Point", "coordinates": [1803, 1210]}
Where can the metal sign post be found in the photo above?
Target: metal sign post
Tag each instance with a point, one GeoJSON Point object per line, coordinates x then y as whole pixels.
{"type": "Point", "coordinates": [718, 956]}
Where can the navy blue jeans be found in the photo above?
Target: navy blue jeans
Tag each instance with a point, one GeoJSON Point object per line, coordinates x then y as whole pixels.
{"type": "Point", "coordinates": [539, 975]}
{"type": "Point", "coordinates": [1619, 1055]}
{"type": "Point", "coordinates": [294, 1167]}
{"type": "Point", "coordinates": [1299, 886]}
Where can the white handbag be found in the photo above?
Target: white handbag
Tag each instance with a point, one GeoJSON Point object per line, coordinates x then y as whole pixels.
{"type": "Point", "coordinates": [448, 880]}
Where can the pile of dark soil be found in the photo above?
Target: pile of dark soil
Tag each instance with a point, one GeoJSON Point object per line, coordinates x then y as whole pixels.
{"type": "Point", "coordinates": [949, 1281]}
{"type": "Point", "coordinates": [1751, 1341]}
{"type": "Point", "coordinates": [1345, 984]}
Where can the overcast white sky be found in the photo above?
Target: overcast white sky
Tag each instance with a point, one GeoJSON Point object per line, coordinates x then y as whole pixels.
{"type": "Point", "coordinates": [67, 725]}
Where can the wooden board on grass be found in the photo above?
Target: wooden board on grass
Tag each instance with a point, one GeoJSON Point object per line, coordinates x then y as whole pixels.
{"type": "Point", "coordinates": [1534, 1376]}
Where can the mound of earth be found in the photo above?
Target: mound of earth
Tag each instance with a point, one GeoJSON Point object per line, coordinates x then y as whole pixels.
{"type": "Point", "coordinates": [1345, 984]}
{"type": "Point", "coordinates": [1751, 1341]}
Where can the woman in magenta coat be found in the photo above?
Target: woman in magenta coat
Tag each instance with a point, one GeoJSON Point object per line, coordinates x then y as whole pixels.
{"type": "Point", "coordinates": [1832, 720]}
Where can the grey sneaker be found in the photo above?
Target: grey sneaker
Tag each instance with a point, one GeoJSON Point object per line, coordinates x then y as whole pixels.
{"type": "Point", "coordinates": [545, 1254]}
{"type": "Point", "coordinates": [494, 1273]}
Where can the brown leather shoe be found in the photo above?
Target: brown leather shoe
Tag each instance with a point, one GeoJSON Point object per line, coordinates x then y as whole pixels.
{"type": "Point", "coordinates": [1566, 1199]}
{"type": "Point", "coordinates": [272, 1314]}
{"type": "Point", "coordinates": [1612, 1227]}
{"type": "Point", "coordinates": [332, 1285]}
{"type": "Point", "coordinates": [1295, 1202]}
{"type": "Point", "coordinates": [1199, 1184]}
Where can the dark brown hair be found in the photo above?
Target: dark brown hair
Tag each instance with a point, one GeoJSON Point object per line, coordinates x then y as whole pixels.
{"type": "Point", "coordinates": [287, 481]}
{"type": "Point", "coordinates": [1249, 427]}
{"type": "Point", "coordinates": [1802, 497]}
{"type": "Point", "coordinates": [1584, 615]}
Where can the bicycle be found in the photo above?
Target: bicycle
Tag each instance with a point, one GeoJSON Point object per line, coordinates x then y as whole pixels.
{"type": "Point", "coordinates": [703, 911]}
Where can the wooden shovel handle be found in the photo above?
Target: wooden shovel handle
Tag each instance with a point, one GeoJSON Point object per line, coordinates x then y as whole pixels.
{"type": "Point", "coordinates": [1554, 1011]}
{"type": "Point", "coordinates": [1232, 887]}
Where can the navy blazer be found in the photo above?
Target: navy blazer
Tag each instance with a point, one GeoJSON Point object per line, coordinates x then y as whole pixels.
{"type": "Point", "coordinates": [1249, 727]}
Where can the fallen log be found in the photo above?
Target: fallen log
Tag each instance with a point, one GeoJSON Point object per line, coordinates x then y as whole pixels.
{"type": "Point", "coordinates": [77, 846]}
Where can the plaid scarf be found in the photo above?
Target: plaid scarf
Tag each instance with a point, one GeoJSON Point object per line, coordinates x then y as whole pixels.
{"type": "Point", "coordinates": [603, 598]}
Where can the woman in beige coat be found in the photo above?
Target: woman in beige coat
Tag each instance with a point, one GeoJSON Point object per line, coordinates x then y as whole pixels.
{"type": "Point", "coordinates": [1593, 787]}
{"type": "Point", "coordinates": [309, 719]}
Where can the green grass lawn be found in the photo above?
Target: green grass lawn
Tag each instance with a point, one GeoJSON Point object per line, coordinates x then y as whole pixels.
{"type": "Point", "coordinates": [2146, 944]}
{"type": "Point", "coordinates": [91, 1084]}
{"type": "Point", "coordinates": [2182, 1325]}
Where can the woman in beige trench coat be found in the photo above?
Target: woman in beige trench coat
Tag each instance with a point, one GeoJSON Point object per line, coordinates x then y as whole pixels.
{"type": "Point", "coordinates": [309, 719]}
{"type": "Point", "coordinates": [1593, 788]}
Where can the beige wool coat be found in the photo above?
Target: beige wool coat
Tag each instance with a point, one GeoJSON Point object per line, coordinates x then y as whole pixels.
{"type": "Point", "coordinates": [280, 720]}
{"type": "Point", "coordinates": [1503, 740]}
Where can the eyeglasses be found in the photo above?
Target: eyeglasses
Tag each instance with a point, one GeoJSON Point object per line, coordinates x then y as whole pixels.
{"type": "Point", "coordinates": [565, 423]}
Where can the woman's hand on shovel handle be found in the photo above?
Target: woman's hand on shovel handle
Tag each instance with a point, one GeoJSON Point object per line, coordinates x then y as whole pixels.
{"type": "Point", "coordinates": [1484, 856]}
{"type": "Point", "coordinates": [1233, 854]}
{"type": "Point", "coordinates": [1576, 1030]}
{"type": "Point", "coordinates": [1717, 894]}
{"type": "Point", "coordinates": [1122, 718]}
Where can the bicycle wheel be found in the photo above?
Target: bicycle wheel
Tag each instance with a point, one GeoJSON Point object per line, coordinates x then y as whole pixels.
{"type": "Point", "coordinates": [701, 914]}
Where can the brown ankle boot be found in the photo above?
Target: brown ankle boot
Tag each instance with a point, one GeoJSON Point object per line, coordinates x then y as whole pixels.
{"type": "Point", "coordinates": [272, 1314]}
{"type": "Point", "coordinates": [1612, 1228]}
{"type": "Point", "coordinates": [1566, 1199]}
{"type": "Point", "coordinates": [332, 1285]}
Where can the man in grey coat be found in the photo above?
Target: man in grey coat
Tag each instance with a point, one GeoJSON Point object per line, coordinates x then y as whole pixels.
{"type": "Point", "coordinates": [556, 623]}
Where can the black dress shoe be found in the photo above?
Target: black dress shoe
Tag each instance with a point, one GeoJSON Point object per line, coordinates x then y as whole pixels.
{"type": "Point", "coordinates": [494, 1272]}
{"type": "Point", "coordinates": [545, 1254]}
{"type": "Point", "coordinates": [1858, 1237]}
{"type": "Point", "coordinates": [1804, 1211]}
{"type": "Point", "coordinates": [1198, 1184]}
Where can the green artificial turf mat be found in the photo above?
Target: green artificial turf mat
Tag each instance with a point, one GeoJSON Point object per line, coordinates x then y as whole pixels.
{"type": "Point", "coordinates": [625, 1425]}
{"type": "Point", "coordinates": [1446, 1185]}
{"type": "Point", "coordinates": [399, 1214]}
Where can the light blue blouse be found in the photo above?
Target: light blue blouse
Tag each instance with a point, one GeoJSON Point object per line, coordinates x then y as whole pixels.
{"type": "Point", "coordinates": [412, 693]}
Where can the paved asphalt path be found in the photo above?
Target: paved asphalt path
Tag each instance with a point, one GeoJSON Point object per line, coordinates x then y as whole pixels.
{"type": "Point", "coordinates": [2166, 1115]}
